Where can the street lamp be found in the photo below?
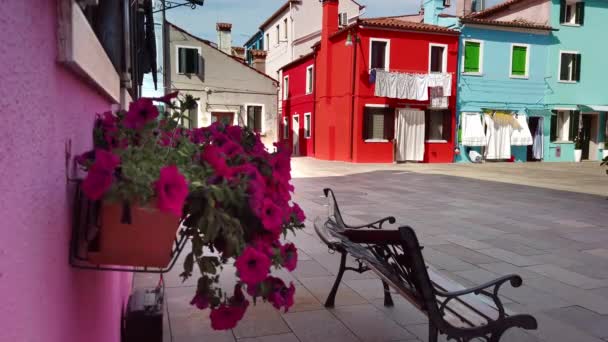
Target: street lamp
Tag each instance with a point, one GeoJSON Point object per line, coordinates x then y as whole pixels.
{"type": "Point", "coordinates": [167, 4]}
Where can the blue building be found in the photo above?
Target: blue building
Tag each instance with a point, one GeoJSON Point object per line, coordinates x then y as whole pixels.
{"type": "Point", "coordinates": [256, 42]}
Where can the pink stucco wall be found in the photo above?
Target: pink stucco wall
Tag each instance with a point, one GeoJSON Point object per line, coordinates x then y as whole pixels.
{"type": "Point", "coordinates": [42, 104]}
{"type": "Point", "coordinates": [536, 11]}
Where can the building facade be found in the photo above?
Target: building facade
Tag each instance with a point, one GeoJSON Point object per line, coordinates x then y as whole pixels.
{"type": "Point", "coordinates": [297, 119]}
{"type": "Point", "coordinates": [359, 115]}
{"type": "Point", "coordinates": [227, 89]}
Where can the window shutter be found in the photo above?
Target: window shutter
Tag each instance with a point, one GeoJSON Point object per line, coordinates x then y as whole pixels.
{"type": "Point", "coordinates": [181, 60]}
{"type": "Point", "coordinates": [580, 13]}
{"type": "Point", "coordinates": [574, 122]}
{"type": "Point", "coordinates": [562, 11]}
{"type": "Point", "coordinates": [518, 66]}
{"type": "Point", "coordinates": [367, 125]}
{"type": "Point", "coordinates": [553, 136]}
{"type": "Point", "coordinates": [576, 73]}
{"type": "Point", "coordinates": [471, 57]}
{"type": "Point", "coordinates": [389, 124]}
{"type": "Point", "coordinates": [250, 117]}
{"type": "Point", "coordinates": [257, 115]}
{"type": "Point", "coordinates": [447, 125]}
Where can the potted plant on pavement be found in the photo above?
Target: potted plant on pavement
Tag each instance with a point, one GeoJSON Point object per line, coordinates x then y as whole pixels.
{"type": "Point", "coordinates": [231, 196]}
{"type": "Point", "coordinates": [578, 148]}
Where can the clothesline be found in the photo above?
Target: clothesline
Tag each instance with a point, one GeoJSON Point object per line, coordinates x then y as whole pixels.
{"type": "Point", "coordinates": [405, 71]}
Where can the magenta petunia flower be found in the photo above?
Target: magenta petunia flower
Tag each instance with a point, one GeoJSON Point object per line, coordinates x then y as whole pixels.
{"type": "Point", "coordinates": [226, 317]}
{"type": "Point", "coordinates": [280, 295]}
{"type": "Point", "coordinates": [231, 149]}
{"type": "Point", "coordinates": [200, 301]}
{"type": "Point", "coordinates": [298, 213]}
{"type": "Point", "coordinates": [101, 174]}
{"type": "Point", "coordinates": [235, 133]}
{"type": "Point", "coordinates": [167, 98]}
{"type": "Point", "coordinates": [140, 113]}
{"type": "Point", "coordinates": [171, 190]}
{"type": "Point", "coordinates": [252, 266]}
{"type": "Point", "coordinates": [214, 156]}
{"type": "Point", "coordinates": [289, 254]}
{"type": "Point", "coordinates": [272, 217]}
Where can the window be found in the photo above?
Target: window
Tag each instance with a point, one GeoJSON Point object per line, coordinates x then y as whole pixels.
{"type": "Point", "coordinates": [343, 19]}
{"type": "Point", "coordinates": [285, 128]}
{"type": "Point", "coordinates": [569, 67]}
{"type": "Point", "coordinates": [564, 125]}
{"type": "Point", "coordinates": [379, 123]}
{"type": "Point", "coordinates": [187, 60]}
{"type": "Point", "coordinates": [309, 79]}
{"type": "Point", "coordinates": [519, 61]}
{"type": "Point", "coordinates": [254, 118]}
{"type": "Point", "coordinates": [285, 87]}
{"type": "Point", "coordinates": [473, 57]}
{"type": "Point", "coordinates": [278, 30]}
{"type": "Point", "coordinates": [285, 29]}
{"type": "Point", "coordinates": [267, 41]}
{"type": "Point", "coordinates": [307, 125]}
{"type": "Point", "coordinates": [437, 125]}
{"type": "Point", "coordinates": [379, 54]}
{"type": "Point", "coordinates": [572, 12]}
{"type": "Point", "coordinates": [437, 58]}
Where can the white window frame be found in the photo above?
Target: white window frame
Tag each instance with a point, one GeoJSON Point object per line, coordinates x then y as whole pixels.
{"type": "Point", "coordinates": [286, 127]}
{"type": "Point", "coordinates": [309, 81]}
{"type": "Point", "coordinates": [444, 58]}
{"type": "Point", "coordinates": [387, 55]}
{"type": "Point", "coordinates": [372, 105]}
{"type": "Point", "coordinates": [574, 18]}
{"type": "Point", "coordinates": [481, 48]}
{"type": "Point", "coordinates": [559, 66]}
{"type": "Point", "coordinates": [563, 131]}
{"type": "Point", "coordinates": [263, 126]}
{"type": "Point", "coordinates": [198, 60]}
{"type": "Point", "coordinates": [307, 130]}
{"type": "Point", "coordinates": [285, 87]}
{"type": "Point", "coordinates": [527, 74]}
{"type": "Point", "coordinates": [235, 118]}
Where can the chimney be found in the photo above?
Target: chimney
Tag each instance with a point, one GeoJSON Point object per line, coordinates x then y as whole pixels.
{"type": "Point", "coordinates": [224, 37]}
{"type": "Point", "coordinates": [431, 10]}
{"type": "Point", "coordinates": [238, 52]}
{"type": "Point", "coordinates": [330, 20]}
{"type": "Point", "coordinates": [464, 7]}
{"type": "Point", "coordinates": [258, 60]}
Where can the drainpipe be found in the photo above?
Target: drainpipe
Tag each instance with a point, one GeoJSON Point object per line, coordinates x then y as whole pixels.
{"type": "Point", "coordinates": [352, 106]}
{"type": "Point", "coordinates": [314, 104]}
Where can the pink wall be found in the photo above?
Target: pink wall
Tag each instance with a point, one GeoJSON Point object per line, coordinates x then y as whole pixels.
{"type": "Point", "coordinates": [536, 11]}
{"type": "Point", "coordinates": [43, 105]}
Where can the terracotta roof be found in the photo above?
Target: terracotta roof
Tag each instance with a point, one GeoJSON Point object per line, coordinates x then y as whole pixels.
{"type": "Point", "coordinates": [206, 42]}
{"type": "Point", "coordinates": [223, 26]}
{"type": "Point", "coordinates": [238, 48]}
{"type": "Point", "coordinates": [494, 9]}
{"type": "Point", "coordinates": [404, 25]}
{"type": "Point", "coordinates": [298, 60]}
{"type": "Point", "coordinates": [515, 23]}
{"type": "Point", "coordinates": [258, 53]}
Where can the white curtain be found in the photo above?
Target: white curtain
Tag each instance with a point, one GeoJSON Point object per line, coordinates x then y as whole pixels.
{"type": "Point", "coordinates": [472, 129]}
{"type": "Point", "coordinates": [410, 135]}
{"type": "Point", "coordinates": [521, 136]}
{"type": "Point", "coordinates": [498, 139]}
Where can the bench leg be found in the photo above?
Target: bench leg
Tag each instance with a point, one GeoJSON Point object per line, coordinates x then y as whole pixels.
{"type": "Point", "coordinates": [388, 300]}
{"type": "Point", "coordinates": [331, 298]}
{"type": "Point", "coordinates": [433, 333]}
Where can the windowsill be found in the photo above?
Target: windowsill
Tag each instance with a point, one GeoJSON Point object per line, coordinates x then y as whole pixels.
{"type": "Point", "coordinates": [436, 141]}
{"type": "Point", "coordinates": [438, 72]}
{"type": "Point", "coordinates": [376, 141]}
{"type": "Point", "coordinates": [562, 142]}
{"type": "Point", "coordinates": [571, 25]}
{"type": "Point", "coordinates": [307, 138]}
{"type": "Point", "coordinates": [370, 70]}
{"type": "Point", "coordinates": [472, 73]}
{"type": "Point", "coordinates": [567, 82]}
{"type": "Point", "coordinates": [519, 77]}
{"type": "Point", "coordinates": [188, 73]}
{"type": "Point", "coordinates": [308, 93]}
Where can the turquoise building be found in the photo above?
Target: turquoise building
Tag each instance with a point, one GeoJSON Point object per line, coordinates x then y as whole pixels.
{"type": "Point", "coordinates": [577, 69]}
{"type": "Point", "coordinates": [256, 42]}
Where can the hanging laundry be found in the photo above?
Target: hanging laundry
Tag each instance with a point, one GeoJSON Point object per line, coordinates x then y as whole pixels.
{"type": "Point", "coordinates": [472, 130]}
{"type": "Point", "coordinates": [372, 76]}
{"type": "Point", "coordinates": [537, 146]}
{"type": "Point", "coordinates": [437, 98]}
{"type": "Point", "coordinates": [498, 137]}
{"type": "Point", "coordinates": [401, 85]}
{"type": "Point", "coordinates": [522, 135]}
{"type": "Point", "coordinates": [441, 80]}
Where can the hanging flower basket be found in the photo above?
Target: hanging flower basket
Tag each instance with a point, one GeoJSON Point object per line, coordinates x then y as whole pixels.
{"type": "Point", "coordinates": [146, 241]}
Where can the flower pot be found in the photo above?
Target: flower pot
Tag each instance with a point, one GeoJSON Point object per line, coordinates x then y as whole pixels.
{"type": "Point", "coordinates": [147, 241]}
{"type": "Point", "coordinates": [578, 155]}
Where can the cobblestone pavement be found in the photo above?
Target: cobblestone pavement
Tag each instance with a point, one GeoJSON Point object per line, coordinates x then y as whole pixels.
{"type": "Point", "coordinates": [472, 229]}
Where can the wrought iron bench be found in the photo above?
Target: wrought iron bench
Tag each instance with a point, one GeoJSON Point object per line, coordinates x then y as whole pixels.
{"type": "Point", "coordinates": [395, 256]}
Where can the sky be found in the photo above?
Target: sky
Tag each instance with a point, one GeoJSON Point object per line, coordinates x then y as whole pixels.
{"type": "Point", "coordinates": [247, 15]}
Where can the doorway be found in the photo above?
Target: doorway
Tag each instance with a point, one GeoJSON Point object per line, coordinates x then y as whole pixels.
{"type": "Point", "coordinates": [588, 136]}
{"type": "Point", "coordinates": [410, 131]}
{"type": "Point", "coordinates": [295, 129]}
{"type": "Point", "coordinates": [535, 151]}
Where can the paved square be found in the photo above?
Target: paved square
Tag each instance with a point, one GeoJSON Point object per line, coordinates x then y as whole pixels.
{"type": "Point", "coordinates": [472, 229]}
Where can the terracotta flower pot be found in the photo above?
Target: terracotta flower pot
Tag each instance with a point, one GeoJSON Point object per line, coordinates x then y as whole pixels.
{"type": "Point", "coordinates": [147, 241]}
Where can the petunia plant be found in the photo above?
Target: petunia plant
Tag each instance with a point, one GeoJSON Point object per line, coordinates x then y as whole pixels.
{"type": "Point", "coordinates": [233, 197]}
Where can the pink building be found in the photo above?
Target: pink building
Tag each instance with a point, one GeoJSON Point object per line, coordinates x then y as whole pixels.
{"type": "Point", "coordinates": [50, 93]}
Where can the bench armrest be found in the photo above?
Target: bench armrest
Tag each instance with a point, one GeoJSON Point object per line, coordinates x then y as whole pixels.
{"type": "Point", "coordinates": [374, 225]}
{"type": "Point", "coordinates": [485, 290]}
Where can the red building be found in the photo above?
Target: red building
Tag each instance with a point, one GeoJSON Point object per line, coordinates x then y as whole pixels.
{"type": "Point", "coordinates": [298, 106]}
{"type": "Point", "coordinates": [350, 122]}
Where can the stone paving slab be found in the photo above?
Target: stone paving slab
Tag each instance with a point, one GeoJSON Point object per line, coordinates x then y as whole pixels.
{"type": "Point", "coordinates": [476, 222]}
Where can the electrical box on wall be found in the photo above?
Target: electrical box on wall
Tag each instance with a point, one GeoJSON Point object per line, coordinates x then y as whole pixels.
{"type": "Point", "coordinates": [144, 317]}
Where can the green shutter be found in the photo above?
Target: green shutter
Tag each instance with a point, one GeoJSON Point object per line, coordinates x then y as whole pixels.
{"type": "Point", "coordinates": [574, 122]}
{"type": "Point", "coordinates": [518, 64]}
{"type": "Point", "coordinates": [471, 56]}
{"type": "Point", "coordinates": [553, 134]}
{"type": "Point", "coordinates": [580, 13]}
